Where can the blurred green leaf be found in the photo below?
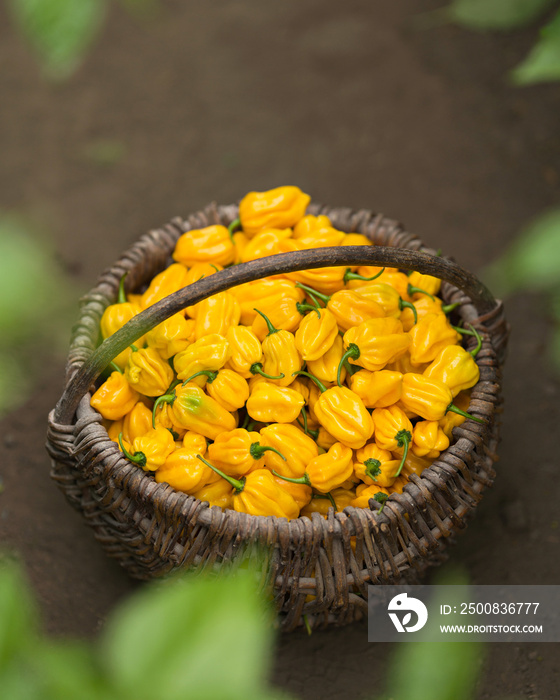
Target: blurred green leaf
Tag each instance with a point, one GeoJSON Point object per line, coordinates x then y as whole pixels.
{"type": "Point", "coordinates": [533, 262]}
{"type": "Point", "coordinates": [15, 381]}
{"type": "Point", "coordinates": [543, 62]}
{"type": "Point", "coordinates": [17, 614]}
{"type": "Point", "coordinates": [192, 637]}
{"type": "Point", "coordinates": [496, 14]}
{"type": "Point", "coordinates": [60, 31]}
{"type": "Point", "coordinates": [105, 151]}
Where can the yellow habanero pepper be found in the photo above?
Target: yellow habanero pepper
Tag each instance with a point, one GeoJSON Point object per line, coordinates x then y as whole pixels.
{"type": "Point", "coordinates": [377, 389]}
{"type": "Point", "coordinates": [281, 356]}
{"type": "Point", "coordinates": [264, 243]}
{"type": "Point", "coordinates": [351, 309]}
{"type": "Point", "coordinates": [388, 298]}
{"type": "Point", "coordinates": [429, 337]}
{"type": "Point", "coordinates": [171, 280]}
{"type": "Point", "coordinates": [310, 223]}
{"type": "Point", "coordinates": [192, 409]}
{"type": "Point", "coordinates": [423, 284]}
{"type": "Point", "coordinates": [266, 293]}
{"type": "Point", "coordinates": [212, 244]}
{"type": "Point", "coordinates": [270, 403]}
{"type": "Point", "coordinates": [184, 471]}
{"type": "Point", "coordinates": [115, 317]}
{"type": "Point", "coordinates": [259, 494]}
{"type": "Point", "coordinates": [239, 451]}
{"type": "Point", "coordinates": [375, 343]}
{"type": "Point", "coordinates": [195, 273]}
{"type": "Point", "coordinates": [343, 414]}
{"type": "Point", "coordinates": [281, 207]}
{"type": "Point", "coordinates": [245, 350]}
{"type": "Point", "coordinates": [339, 499]}
{"type": "Point", "coordinates": [229, 389]}
{"type": "Point", "coordinates": [325, 368]}
{"type": "Point", "coordinates": [171, 336]}
{"type": "Point", "coordinates": [364, 274]}
{"type": "Point", "coordinates": [452, 420]}
{"type": "Point", "coordinates": [150, 450]}
{"type": "Point", "coordinates": [164, 419]}
{"type": "Point", "coordinates": [413, 464]}
{"type": "Point", "coordinates": [137, 422]}
{"type": "Point", "coordinates": [324, 237]}
{"type": "Point", "coordinates": [301, 493]}
{"type": "Point", "coordinates": [216, 314]}
{"type": "Point", "coordinates": [455, 367]}
{"type": "Point", "coordinates": [327, 471]}
{"type": "Point", "coordinates": [325, 280]}
{"type": "Point", "coordinates": [393, 430]}
{"type": "Point", "coordinates": [148, 373]}
{"type": "Point", "coordinates": [195, 442]}
{"type": "Point", "coordinates": [364, 493]}
{"type": "Point", "coordinates": [356, 239]}
{"type": "Point", "coordinates": [375, 466]}
{"type": "Point", "coordinates": [316, 334]}
{"type": "Point", "coordinates": [115, 397]}
{"type": "Point", "coordinates": [429, 398]}
{"type": "Point", "coordinates": [208, 353]}
{"type": "Point", "coordinates": [297, 449]}
{"type": "Point", "coordinates": [428, 439]}
{"type": "Point", "coordinates": [423, 306]}
{"type": "Point", "coordinates": [218, 493]}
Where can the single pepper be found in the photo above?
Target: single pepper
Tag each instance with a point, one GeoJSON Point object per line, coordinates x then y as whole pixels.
{"type": "Point", "coordinates": [216, 314]}
{"type": "Point", "coordinates": [429, 337]}
{"type": "Point", "coordinates": [429, 398]}
{"type": "Point", "coordinates": [316, 334]}
{"type": "Point", "coordinates": [428, 439]}
{"type": "Point", "coordinates": [324, 439]}
{"type": "Point", "coordinates": [212, 244]}
{"type": "Point", "coordinates": [219, 493]}
{"type": "Point", "coordinates": [171, 336]}
{"type": "Point", "coordinates": [372, 465]}
{"type": "Point", "coordinates": [453, 420]}
{"type": "Point", "coordinates": [356, 239]}
{"type": "Point", "coordinates": [425, 284]}
{"type": "Point", "coordinates": [281, 356]}
{"type": "Point", "coordinates": [455, 367]}
{"type": "Point", "coordinates": [325, 368]}
{"type": "Point", "coordinates": [270, 403]}
{"type": "Point", "coordinates": [148, 373]}
{"type": "Point", "coordinates": [171, 280]}
{"type": "Point", "coordinates": [259, 494]}
{"type": "Point", "coordinates": [195, 273]}
{"type": "Point", "coordinates": [115, 317]}
{"type": "Point", "coordinates": [228, 388]}
{"type": "Point", "coordinates": [343, 414]}
{"type": "Point", "coordinates": [350, 309]}
{"type": "Point", "coordinates": [327, 471]}
{"type": "Point", "coordinates": [284, 312]}
{"type": "Point", "coordinates": [325, 237]}
{"type": "Point", "coordinates": [364, 493]}
{"type": "Point", "coordinates": [377, 389]}
{"type": "Point", "coordinates": [423, 306]}
{"type": "Point", "coordinates": [301, 493]}
{"type": "Point", "coordinates": [184, 472]}
{"type": "Point", "coordinates": [195, 442]}
{"type": "Point", "coordinates": [297, 449]}
{"type": "Point", "coordinates": [281, 207]}
{"type": "Point", "coordinates": [208, 353]}
{"type": "Point", "coordinates": [115, 397]}
{"type": "Point", "coordinates": [240, 242]}
{"type": "Point", "coordinates": [339, 499]}
{"type": "Point", "coordinates": [393, 431]}
{"type": "Point", "coordinates": [137, 422]}
{"type": "Point", "coordinates": [309, 223]}
{"type": "Point", "coordinates": [267, 294]}
{"type": "Point", "coordinates": [239, 451]}
{"type": "Point", "coordinates": [245, 350]}
{"type": "Point", "coordinates": [265, 243]}
{"type": "Point", "coordinates": [388, 298]}
{"type": "Point", "coordinates": [192, 409]}
{"type": "Point", "coordinates": [150, 450]}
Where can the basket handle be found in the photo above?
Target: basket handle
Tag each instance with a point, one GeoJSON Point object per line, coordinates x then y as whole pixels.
{"type": "Point", "coordinates": [402, 258]}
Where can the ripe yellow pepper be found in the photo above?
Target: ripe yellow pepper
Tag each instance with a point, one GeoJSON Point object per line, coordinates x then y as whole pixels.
{"type": "Point", "coordinates": [356, 239]}
{"type": "Point", "coordinates": [429, 337]}
{"type": "Point", "coordinates": [171, 336]}
{"type": "Point", "coordinates": [229, 389]}
{"type": "Point", "coordinates": [265, 294]}
{"type": "Point", "coordinates": [281, 356]}
{"type": "Point", "coordinates": [195, 442]}
{"type": "Point", "coordinates": [270, 403]}
{"type": "Point", "coordinates": [325, 368]}
{"type": "Point", "coordinates": [325, 280]}
{"type": "Point", "coordinates": [327, 471]}
{"type": "Point", "coordinates": [245, 350]}
{"type": "Point", "coordinates": [388, 298]}
{"type": "Point", "coordinates": [365, 274]}
{"type": "Point", "coordinates": [195, 273]}
{"type": "Point", "coordinates": [192, 409]}
{"type": "Point", "coordinates": [428, 439]}
{"type": "Point", "coordinates": [216, 314]}
{"type": "Point", "coordinates": [423, 306]}
{"type": "Point", "coordinates": [316, 334]}
{"type": "Point", "coordinates": [264, 243]}
{"type": "Point", "coordinates": [373, 465]}
{"type": "Point", "coordinates": [375, 343]}
{"type": "Point", "coordinates": [393, 431]}
{"type": "Point", "coordinates": [426, 284]}
{"type": "Point", "coordinates": [452, 420]}
{"type": "Point", "coordinates": [219, 493]}
{"type": "Point", "coordinates": [212, 244]}
{"type": "Point", "coordinates": [184, 471]}
{"type": "Point", "coordinates": [239, 451]}
{"type": "Point", "coordinates": [115, 317]}
{"type": "Point", "coordinates": [148, 373]}
{"type": "Point", "coordinates": [413, 464]}
{"type": "Point", "coordinates": [351, 309]}
{"type": "Point", "coordinates": [281, 207]}
{"type": "Point", "coordinates": [455, 367]}
{"type": "Point", "coordinates": [339, 499]}
{"type": "Point", "coordinates": [429, 398]}
{"type": "Point", "coordinates": [171, 280]}
{"type": "Point", "coordinates": [137, 422]}
{"type": "Point", "coordinates": [297, 448]}
{"type": "Point", "coordinates": [150, 450]}
{"type": "Point", "coordinates": [377, 389]}
{"type": "Point", "coordinates": [115, 397]}
{"type": "Point", "coordinates": [208, 353]}
{"type": "Point", "coordinates": [309, 223]}
{"type": "Point", "coordinates": [364, 493]}
{"type": "Point", "coordinates": [301, 493]}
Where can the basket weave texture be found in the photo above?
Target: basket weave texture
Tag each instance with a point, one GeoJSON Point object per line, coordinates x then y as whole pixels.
{"type": "Point", "coordinates": [151, 529]}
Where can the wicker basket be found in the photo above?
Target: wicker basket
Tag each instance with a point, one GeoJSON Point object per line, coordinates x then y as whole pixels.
{"type": "Point", "coordinates": [151, 529]}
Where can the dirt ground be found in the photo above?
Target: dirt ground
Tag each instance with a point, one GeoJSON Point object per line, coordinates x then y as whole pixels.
{"type": "Point", "coordinates": [359, 108]}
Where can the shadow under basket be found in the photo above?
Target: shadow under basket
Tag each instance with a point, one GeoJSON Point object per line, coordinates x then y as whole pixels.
{"type": "Point", "coordinates": [317, 567]}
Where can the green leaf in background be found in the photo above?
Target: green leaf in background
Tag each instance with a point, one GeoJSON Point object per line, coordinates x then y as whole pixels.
{"type": "Point", "coordinates": [543, 62]}
{"type": "Point", "coordinates": [533, 262]}
{"type": "Point", "coordinates": [496, 14]}
{"type": "Point", "coordinates": [196, 637]}
{"type": "Point", "coordinates": [17, 614]}
{"type": "Point", "coordinates": [60, 31]}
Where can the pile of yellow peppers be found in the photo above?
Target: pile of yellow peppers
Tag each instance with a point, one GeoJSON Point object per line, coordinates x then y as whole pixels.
{"type": "Point", "coordinates": [294, 393]}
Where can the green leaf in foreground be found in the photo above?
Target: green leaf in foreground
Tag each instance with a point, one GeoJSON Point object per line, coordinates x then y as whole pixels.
{"type": "Point", "coordinates": [543, 62]}
{"type": "Point", "coordinates": [496, 14]}
{"type": "Point", "coordinates": [533, 262]}
{"type": "Point", "coordinates": [60, 31]}
{"type": "Point", "coordinates": [194, 637]}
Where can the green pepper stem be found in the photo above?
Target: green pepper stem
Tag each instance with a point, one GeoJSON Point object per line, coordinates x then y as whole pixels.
{"type": "Point", "coordinates": [314, 433]}
{"type": "Point", "coordinates": [134, 347]}
{"type": "Point", "coordinates": [373, 468]}
{"type": "Point", "coordinates": [454, 409]}
{"type": "Point", "coordinates": [166, 398]}
{"type": "Point", "coordinates": [238, 484]}
{"type": "Point", "coordinates": [115, 367]}
{"type": "Point", "coordinates": [307, 625]}
{"type": "Point", "coordinates": [257, 450]}
{"type": "Point", "coordinates": [329, 497]}
{"type": "Point", "coordinates": [271, 328]}
{"type": "Point", "coordinates": [138, 458]}
{"type": "Point", "coordinates": [403, 438]}
{"type": "Point", "coordinates": [207, 372]}
{"type": "Point", "coordinates": [257, 369]}
{"type": "Point", "coordinates": [476, 334]}
{"type": "Point", "coordinates": [302, 308]}
{"type": "Point", "coordinates": [231, 228]}
{"type": "Point", "coordinates": [319, 383]}
{"type": "Point", "coordinates": [448, 308]}
{"type": "Point", "coordinates": [410, 290]}
{"type": "Point", "coordinates": [353, 352]}
{"type": "Point", "coordinates": [349, 275]}
{"type": "Point", "coordinates": [407, 305]}
{"type": "Point", "coordinates": [325, 298]}
{"type": "Point", "coordinates": [301, 480]}
{"type": "Point", "coordinates": [382, 498]}
{"type": "Point", "coordinates": [121, 299]}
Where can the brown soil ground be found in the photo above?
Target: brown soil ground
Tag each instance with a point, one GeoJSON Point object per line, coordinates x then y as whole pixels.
{"type": "Point", "coordinates": [359, 108]}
